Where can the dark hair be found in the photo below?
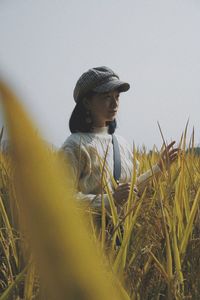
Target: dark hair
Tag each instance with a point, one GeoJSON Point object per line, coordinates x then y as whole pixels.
{"type": "Point", "coordinates": [77, 122]}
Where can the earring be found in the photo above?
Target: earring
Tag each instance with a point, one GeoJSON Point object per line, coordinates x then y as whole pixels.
{"type": "Point", "coordinates": [88, 117]}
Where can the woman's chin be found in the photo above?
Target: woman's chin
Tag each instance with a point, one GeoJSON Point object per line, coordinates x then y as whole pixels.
{"type": "Point", "coordinates": [111, 119]}
{"type": "Point", "coordinates": [111, 116]}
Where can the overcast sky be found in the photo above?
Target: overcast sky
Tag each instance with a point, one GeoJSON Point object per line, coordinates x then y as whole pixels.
{"type": "Point", "coordinates": [45, 45]}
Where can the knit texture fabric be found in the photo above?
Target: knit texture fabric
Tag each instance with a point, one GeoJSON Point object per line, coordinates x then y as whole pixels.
{"type": "Point", "coordinates": [85, 154]}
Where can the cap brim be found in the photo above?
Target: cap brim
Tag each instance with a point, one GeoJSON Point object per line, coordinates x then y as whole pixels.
{"type": "Point", "coordinates": [112, 85]}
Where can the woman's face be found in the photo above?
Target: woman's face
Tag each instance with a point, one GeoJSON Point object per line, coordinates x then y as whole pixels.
{"type": "Point", "coordinates": [103, 107]}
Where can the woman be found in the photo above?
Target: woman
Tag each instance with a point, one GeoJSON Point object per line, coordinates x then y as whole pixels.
{"type": "Point", "coordinates": [92, 125]}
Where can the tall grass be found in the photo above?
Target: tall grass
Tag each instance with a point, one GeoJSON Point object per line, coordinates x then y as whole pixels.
{"type": "Point", "coordinates": [70, 258]}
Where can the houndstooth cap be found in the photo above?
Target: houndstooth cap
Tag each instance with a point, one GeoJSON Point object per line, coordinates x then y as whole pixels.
{"type": "Point", "coordinates": [100, 80]}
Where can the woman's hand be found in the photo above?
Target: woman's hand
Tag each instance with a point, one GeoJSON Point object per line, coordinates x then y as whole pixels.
{"type": "Point", "coordinates": [121, 193]}
{"type": "Point", "coordinates": [168, 156]}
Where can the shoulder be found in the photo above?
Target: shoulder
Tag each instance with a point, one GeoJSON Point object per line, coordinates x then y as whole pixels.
{"type": "Point", "coordinates": [126, 149]}
{"type": "Point", "coordinates": [123, 142]}
{"type": "Point", "coordinates": [73, 149]}
{"type": "Point", "coordinates": [75, 143]}
{"type": "Point", "coordinates": [72, 141]}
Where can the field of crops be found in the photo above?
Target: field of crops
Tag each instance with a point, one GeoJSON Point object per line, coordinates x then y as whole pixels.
{"type": "Point", "coordinates": [52, 249]}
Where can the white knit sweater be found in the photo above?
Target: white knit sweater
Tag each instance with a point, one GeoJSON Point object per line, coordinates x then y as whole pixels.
{"type": "Point", "coordinates": [85, 153]}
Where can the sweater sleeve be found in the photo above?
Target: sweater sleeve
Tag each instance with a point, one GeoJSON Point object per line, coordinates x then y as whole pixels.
{"type": "Point", "coordinates": [144, 178]}
{"type": "Point", "coordinates": [94, 201]}
{"type": "Point", "coordinates": [76, 160]}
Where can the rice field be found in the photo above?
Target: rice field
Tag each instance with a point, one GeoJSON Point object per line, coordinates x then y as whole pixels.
{"type": "Point", "coordinates": [50, 248]}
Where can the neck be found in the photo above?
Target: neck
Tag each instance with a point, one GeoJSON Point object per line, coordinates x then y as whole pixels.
{"type": "Point", "coordinates": [99, 123]}
{"type": "Point", "coordinates": [102, 129]}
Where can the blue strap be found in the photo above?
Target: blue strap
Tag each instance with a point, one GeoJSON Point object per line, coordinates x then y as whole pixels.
{"type": "Point", "coordinates": [116, 159]}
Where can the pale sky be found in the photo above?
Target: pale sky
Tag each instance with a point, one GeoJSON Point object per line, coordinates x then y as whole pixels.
{"type": "Point", "coordinates": [45, 45]}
